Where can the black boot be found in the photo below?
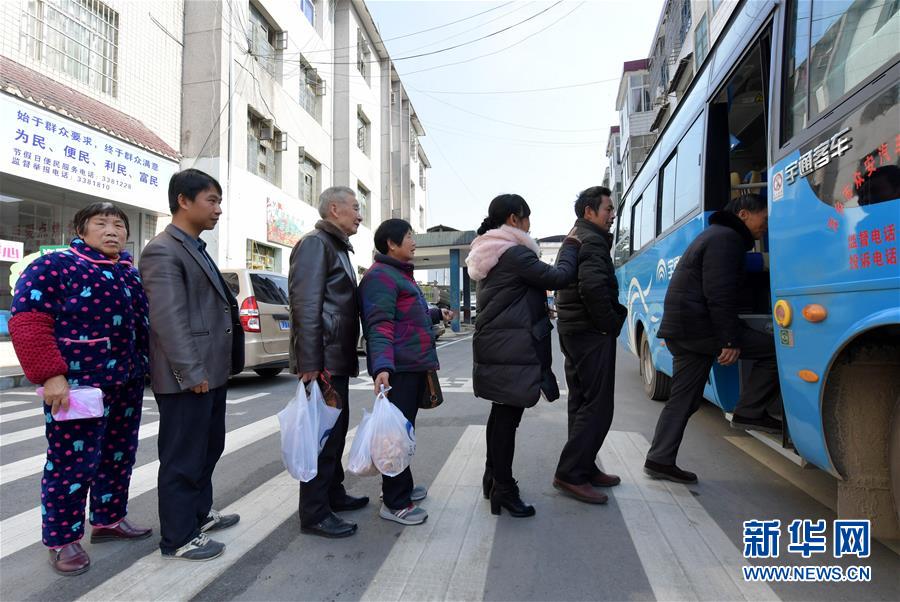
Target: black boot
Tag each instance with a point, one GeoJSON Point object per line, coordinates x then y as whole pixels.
{"type": "Point", "coordinates": [507, 496]}
{"type": "Point", "coordinates": [487, 482]}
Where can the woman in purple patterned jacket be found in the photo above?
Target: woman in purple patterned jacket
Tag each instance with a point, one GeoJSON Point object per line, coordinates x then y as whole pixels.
{"type": "Point", "coordinates": [398, 325]}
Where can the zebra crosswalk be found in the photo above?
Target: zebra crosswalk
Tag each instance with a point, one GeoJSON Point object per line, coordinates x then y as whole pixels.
{"type": "Point", "coordinates": [682, 552]}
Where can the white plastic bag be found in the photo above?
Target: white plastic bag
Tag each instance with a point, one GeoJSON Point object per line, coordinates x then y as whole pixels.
{"type": "Point", "coordinates": [306, 423]}
{"type": "Point", "coordinates": [393, 438]}
{"type": "Point", "coordinates": [360, 460]}
{"type": "Point", "coordinates": [84, 402]}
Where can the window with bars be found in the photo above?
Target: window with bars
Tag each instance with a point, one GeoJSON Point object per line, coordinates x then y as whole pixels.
{"type": "Point", "coordinates": [309, 179]}
{"type": "Point", "coordinates": [422, 176]}
{"type": "Point", "coordinates": [362, 196]}
{"type": "Point", "coordinates": [76, 37]}
{"type": "Point", "coordinates": [312, 89]}
{"type": "Point", "coordinates": [363, 55]}
{"type": "Point", "coordinates": [413, 146]}
{"type": "Point", "coordinates": [263, 40]}
{"type": "Point", "coordinates": [362, 132]}
{"type": "Point", "coordinates": [260, 256]}
{"type": "Point", "coordinates": [260, 147]}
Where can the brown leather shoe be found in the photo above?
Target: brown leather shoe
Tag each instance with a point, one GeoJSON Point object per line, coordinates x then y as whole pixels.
{"type": "Point", "coordinates": [124, 530]}
{"type": "Point", "coordinates": [583, 493]}
{"type": "Point", "coordinates": [70, 560]}
{"type": "Point", "coordinates": [601, 479]}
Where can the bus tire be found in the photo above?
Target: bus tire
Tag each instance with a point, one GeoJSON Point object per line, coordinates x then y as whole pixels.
{"type": "Point", "coordinates": [860, 407]}
{"type": "Point", "coordinates": [656, 384]}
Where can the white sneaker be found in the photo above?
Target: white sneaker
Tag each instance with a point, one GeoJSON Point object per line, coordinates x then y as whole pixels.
{"type": "Point", "coordinates": [199, 548]}
{"type": "Point", "coordinates": [411, 515]}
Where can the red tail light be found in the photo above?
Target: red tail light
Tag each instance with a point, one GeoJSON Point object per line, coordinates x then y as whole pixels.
{"type": "Point", "coordinates": [250, 315]}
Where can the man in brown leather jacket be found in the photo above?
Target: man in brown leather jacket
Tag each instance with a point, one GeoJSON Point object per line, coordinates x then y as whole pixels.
{"type": "Point", "coordinates": [324, 332]}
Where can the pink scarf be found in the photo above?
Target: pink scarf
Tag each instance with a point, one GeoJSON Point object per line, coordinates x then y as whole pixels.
{"type": "Point", "coordinates": [487, 249]}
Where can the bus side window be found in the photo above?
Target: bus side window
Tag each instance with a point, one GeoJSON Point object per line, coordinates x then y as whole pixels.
{"type": "Point", "coordinates": [623, 234]}
{"type": "Point", "coordinates": [667, 194]}
{"type": "Point", "coordinates": [687, 176]}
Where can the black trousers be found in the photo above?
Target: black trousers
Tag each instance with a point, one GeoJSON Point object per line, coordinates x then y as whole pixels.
{"type": "Point", "coordinates": [501, 441]}
{"type": "Point", "coordinates": [407, 388]}
{"type": "Point", "coordinates": [328, 484]}
{"type": "Point", "coordinates": [591, 378]}
{"type": "Point", "coordinates": [190, 442]}
{"type": "Point", "coordinates": [692, 361]}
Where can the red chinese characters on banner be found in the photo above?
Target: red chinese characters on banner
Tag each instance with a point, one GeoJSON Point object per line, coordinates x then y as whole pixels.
{"type": "Point", "coordinates": [876, 257]}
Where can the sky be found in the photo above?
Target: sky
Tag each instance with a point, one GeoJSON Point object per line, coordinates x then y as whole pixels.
{"type": "Point", "coordinates": [544, 145]}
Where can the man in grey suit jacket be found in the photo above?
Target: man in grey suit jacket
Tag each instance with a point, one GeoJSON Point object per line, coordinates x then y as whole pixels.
{"type": "Point", "coordinates": [196, 343]}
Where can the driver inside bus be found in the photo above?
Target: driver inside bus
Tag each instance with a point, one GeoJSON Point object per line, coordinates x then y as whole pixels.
{"type": "Point", "coordinates": [701, 325]}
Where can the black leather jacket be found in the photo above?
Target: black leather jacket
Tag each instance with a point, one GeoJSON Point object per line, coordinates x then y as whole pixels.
{"type": "Point", "coordinates": [324, 303]}
{"type": "Point", "coordinates": [591, 303]}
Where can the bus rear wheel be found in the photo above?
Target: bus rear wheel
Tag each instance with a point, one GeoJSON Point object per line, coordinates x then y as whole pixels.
{"type": "Point", "coordinates": [656, 384]}
{"type": "Point", "coordinates": [861, 405]}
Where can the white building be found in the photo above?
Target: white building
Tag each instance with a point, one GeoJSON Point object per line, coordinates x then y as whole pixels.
{"type": "Point", "coordinates": [284, 99]}
{"type": "Point", "coordinates": [90, 99]}
{"type": "Point", "coordinates": [635, 116]}
{"type": "Point", "coordinates": [613, 176]}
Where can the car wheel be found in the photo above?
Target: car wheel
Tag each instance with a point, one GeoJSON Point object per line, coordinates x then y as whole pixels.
{"type": "Point", "coordinates": [656, 384]}
{"type": "Point", "coordinates": [268, 372]}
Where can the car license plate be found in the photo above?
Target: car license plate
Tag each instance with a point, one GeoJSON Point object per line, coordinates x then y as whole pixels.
{"type": "Point", "coordinates": [284, 324]}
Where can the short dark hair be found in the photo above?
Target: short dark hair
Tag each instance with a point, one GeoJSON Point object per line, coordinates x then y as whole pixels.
{"type": "Point", "coordinates": [393, 230]}
{"type": "Point", "coordinates": [501, 208]}
{"type": "Point", "coordinates": [103, 208]}
{"type": "Point", "coordinates": [189, 182]}
{"type": "Point", "coordinates": [591, 197]}
{"type": "Point", "coordinates": [751, 202]}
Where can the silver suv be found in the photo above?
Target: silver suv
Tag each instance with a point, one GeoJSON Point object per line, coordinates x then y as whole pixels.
{"type": "Point", "coordinates": [265, 317]}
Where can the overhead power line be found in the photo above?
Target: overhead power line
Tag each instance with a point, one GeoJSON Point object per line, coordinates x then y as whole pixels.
{"type": "Point", "coordinates": [564, 87]}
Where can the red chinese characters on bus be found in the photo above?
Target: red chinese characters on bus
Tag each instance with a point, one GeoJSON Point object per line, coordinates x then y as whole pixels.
{"type": "Point", "coordinates": [876, 254]}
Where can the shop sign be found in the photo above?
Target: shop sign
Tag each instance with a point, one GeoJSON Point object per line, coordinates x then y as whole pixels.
{"type": "Point", "coordinates": [283, 225]}
{"type": "Point", "coordinates": [11, 250]}
{"type": "Point", "coordinates": [49, 148]}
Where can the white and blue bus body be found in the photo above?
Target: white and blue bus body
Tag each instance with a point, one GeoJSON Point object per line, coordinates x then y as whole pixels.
{"type": "Point", "coordinates": [797, 101]}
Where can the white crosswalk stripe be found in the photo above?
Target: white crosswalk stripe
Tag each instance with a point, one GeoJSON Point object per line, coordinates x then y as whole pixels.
{"type": "Point", "coordinates": [22, 530]}
{"type": "Point", "coordinates": [245, 398]}
{"type": "Point", "coordinates": [686, 554]}
{"type": "Point", "coordinates": [4, 418]}
{"type": "Point", "coordinates": [12, 404]}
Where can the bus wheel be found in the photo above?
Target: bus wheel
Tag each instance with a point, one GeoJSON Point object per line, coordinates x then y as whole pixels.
{"type": "Point", "coordinates": [860, 406]}
{"type": "Point", "coordinates": [656, 384]}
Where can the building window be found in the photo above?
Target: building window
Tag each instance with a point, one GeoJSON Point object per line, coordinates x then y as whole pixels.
{"type": "Point", "coordinates": [701, 42]}
{"type": "Point", "coordinates": [260, 256]}
{"type": "Point", "coordinates": [263, 40]}
{"type": "Point", "coordinates": [309, 11]}
{"type": "Point", "coordinates": [422, 217]}
{"type": "Point", "coordinates": [685, 21]}
{"type": "Point", "coordinates": [363, 55]}
{"type": "Point", "coordinates": [639, 94]}
{"type": "Point", "coordinates": [362, 197]}
{"type": "Point", "coordinates": [422, 176]}
{"type": "Point", "coordinates": [261, 148]}
{"type": "Point", "coordinates": [309, 179]}
{"type": "Point", "coordinates": [413, 146]}
{"type": "Point", "coordinates": [312, 89]}
{"type": "Point", "coordinates": [362, 132]}
{"type": "Point", "coordinates": [715, 5]}
{"type": "Point", "coordinates": [76, 37]}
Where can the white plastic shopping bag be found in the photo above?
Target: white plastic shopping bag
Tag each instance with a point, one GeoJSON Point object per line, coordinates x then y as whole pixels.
{"type": "Point", "coordinates": [84, 402]}
{"type": "Point", "coordinates": [305, 424]}
{"type": "Point", "coordinates": [360, 460]}
{"type": "Point", "coordinates": [393, 438]}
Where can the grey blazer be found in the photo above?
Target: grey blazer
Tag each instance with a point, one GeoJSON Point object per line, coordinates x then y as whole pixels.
{"type": "Point", "coordinates": [195, 329]}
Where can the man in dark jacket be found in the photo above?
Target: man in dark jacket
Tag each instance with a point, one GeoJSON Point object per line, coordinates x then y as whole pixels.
{"type": "Point", "coordinates": [324, 332]}
{"type": "Point", "coordinates": [590, 318]}
{"type": "Point", "coordinates": [700, 325]}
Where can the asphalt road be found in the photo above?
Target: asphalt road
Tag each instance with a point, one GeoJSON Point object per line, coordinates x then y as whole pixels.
{"type": "Point", "coordinates": [652, 541]}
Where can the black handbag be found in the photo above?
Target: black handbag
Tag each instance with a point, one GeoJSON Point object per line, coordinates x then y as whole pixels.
{"type": "Point", "coordinates": [433, 396]}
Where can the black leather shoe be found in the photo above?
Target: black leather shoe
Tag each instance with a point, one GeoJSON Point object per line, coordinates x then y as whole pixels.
{"type": "Point", "coordinates": [766, 424]}
{"type": "Point", "coordinates": [332, 526]}
{"type": "Point", "coordinates": [669, 472]}
{"type": "Point", "coordinates": [507, 496]}
{"type": "Point", "coordinates": [487, 482]}
{"type": "Point", "coordinates": [348, 502]}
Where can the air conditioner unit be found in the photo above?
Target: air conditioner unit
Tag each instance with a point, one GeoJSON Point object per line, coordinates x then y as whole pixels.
{"type": "Point", "coordinates": [266, 132]}
{"type": "Point", "coordinates": [281, 140]}
{"type": "Point", "coordinates": [301, 152]}
{"type": "Point", "coordinates": [281, 40]}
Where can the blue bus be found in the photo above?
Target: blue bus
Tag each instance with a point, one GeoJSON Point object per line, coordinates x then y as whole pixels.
{"type": "Point", "coordinates": [797, 101]}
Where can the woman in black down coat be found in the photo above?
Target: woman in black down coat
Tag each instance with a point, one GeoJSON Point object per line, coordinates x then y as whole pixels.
{"type": "Point", "coordinates": [511, 346]}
